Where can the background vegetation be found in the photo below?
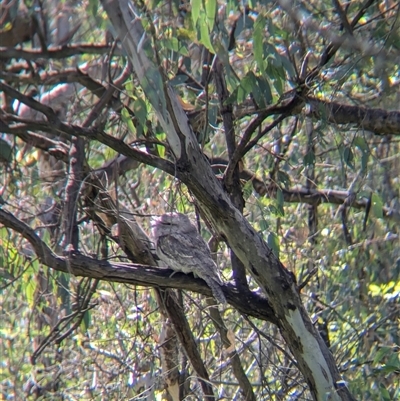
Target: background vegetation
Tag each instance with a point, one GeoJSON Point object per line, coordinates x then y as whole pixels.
{"type": "Point", "coordinates": [313, 91]}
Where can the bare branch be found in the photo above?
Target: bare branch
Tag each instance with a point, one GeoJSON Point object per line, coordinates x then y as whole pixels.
{"type": "Point", "coordinates": [56, 52]}
{"type": "Point", "coordinates": [134, 274]}
{"type": "Point", "coordinates": [378, 121]}
{"type": "Point", "coordinates": [343, 17]}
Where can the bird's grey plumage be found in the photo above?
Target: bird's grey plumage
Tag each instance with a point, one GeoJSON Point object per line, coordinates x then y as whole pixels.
{"type": "Point", "coordinates": [181, 247]}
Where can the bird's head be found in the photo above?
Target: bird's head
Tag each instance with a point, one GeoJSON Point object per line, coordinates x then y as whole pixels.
{"type": "Point", "coordinates": [171, 223]}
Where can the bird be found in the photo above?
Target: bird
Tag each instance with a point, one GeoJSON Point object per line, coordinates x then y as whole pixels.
{"type": "Point", "coordinates": [182, 248]}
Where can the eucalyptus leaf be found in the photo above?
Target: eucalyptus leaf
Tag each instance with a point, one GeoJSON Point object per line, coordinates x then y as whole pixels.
{"type": "Point", "coordinates": [377, 205]}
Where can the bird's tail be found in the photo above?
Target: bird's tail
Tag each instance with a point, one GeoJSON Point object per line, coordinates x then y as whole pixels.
{"type": "Point", "coordinates": [216, 290]}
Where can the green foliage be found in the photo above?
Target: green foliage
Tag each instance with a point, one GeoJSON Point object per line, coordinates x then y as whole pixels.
{"type": "Point", "coordinates": [258, 38]}
{"type": "Point", "coordinates": [273, 243]}
{"type": "Point", "coordinates": [309, 159]}
{"type": "Point", "coordinates": [347, 156]}
{"type": "Point", "coordinates": [115, 346]}
{"type": "Point", "coordinates": [127, 119]}
{"type": "Point", "coordinates": [5, 152]}
{"type": "Point", "coordinates": [377, 205]}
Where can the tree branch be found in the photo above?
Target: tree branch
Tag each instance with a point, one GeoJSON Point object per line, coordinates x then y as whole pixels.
{"type": "Point", "coordinates": [186, 338]}
{"type": "Point", "coordinates": [378, 121]}
{"type": "Point", "coordinates": [231, 177]}
{"type": "Point", "coordinates": [57, 52]}
{"type": "Point", "coordinates": [134, 274]}
{"type": "Point", "coordinates": [118, 145]}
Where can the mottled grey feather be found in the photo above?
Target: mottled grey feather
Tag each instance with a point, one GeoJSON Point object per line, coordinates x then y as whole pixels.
{"type": "Point", "coordinates": [181, 247]}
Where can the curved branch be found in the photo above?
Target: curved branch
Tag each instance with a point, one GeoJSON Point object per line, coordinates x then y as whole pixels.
{"type": "Point", "coordinates": [43, 78]}
{"type": "Point", "coordinates": [57, 52]}
{"type": "Point", "coordinates": [23, 125]}
{"type": "Point", "coordinates": [29, 101]}
{"type": "Point", "coordinates": [69, 76]}
{"type": "Point", "coordinates": [247, 303]}
{"type": "Point", "coordinates": [53, 147]}
{"type": "Point", "coordinates": [291, 106]}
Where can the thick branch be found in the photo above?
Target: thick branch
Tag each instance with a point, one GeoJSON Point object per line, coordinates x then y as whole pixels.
{"type": "Point", "coordinates": [314, 358]}
{"type": "Point", "coordinates": [134, 274]}
{"type": "Point", "coordinates": [378, 121]}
